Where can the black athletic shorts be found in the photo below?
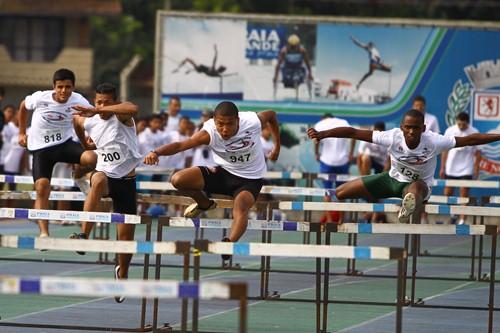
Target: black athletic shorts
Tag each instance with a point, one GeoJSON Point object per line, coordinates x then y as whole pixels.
{"type": "Point", "coordinates": [468, 177]}
{"type": "Point", "coordinates": [44, 159]}
{"type": "Point", "coordinates": [219, 181]}
{"type": "Point", "coordinates": [123, 193]}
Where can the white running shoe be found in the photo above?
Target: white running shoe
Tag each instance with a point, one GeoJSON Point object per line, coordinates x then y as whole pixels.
{"type": "Point", "coordinates": [194, 211]}
{"type": "Point", "coordinates": [407, 208]}
{"type": "Point", "coordinates": [82, 184]}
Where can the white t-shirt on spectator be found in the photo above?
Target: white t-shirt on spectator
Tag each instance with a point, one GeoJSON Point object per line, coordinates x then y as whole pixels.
{"type": "Point", "coordinates": [377, 152]}
{"type": "Point", "coordinates": [460, 161]}
{"type": "Point", "coordinates": [333, 151]}
{"type": "Point", "coordinates": [14, 154]}
{"type": "Point", "coordinates": [431, 123]}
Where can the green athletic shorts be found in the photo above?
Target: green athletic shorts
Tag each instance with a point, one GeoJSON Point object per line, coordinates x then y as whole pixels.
{"type": "Point", "coordinates": [381, 185]}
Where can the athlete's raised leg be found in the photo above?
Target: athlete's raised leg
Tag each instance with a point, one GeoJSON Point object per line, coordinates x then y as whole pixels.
{"type": "Point", "coordinates": [191, 183]}
{"type": "Point", "coordinates": [354, 189]}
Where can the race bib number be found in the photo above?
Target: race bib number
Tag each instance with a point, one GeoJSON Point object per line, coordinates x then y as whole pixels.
{"type": "Point", "coordinates": [110, 156]}
{"type": "Point", "coordinates": [240, 158]}
{"type": "Point", "coordinates": [51, 136]}
{"type": "Point", "coordinates": [409, 173]}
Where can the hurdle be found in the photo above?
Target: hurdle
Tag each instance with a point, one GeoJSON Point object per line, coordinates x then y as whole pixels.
{"type": "Point", "coordinates": [106, 218]}
{"type": "Point", "coordinates": [133, 247]}
{"type": "Point", "coordinates": [431, 209]}
{"type": "Point", "coordinates": [318, 252]}
{"type": "Point", "coordinates": [133, 288]}
{"type": "Point", "coordinates": [266, 226]}
{"type": "Point", "coordinates": [485, 201]}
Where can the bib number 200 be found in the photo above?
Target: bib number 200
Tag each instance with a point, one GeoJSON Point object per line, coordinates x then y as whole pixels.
{"type": "Point", "coordinates": [241, 158]}
{"type": "Point", "coordinates": [110, 157]}
{"type": "Point", "coordinates": [52, 137]}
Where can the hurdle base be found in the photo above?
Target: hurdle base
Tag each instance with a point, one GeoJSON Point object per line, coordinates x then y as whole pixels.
{"type": "Point", "coordinates": [355, 273]}
{"type": "Point", "coordinates": [146, 328]}
{"type": "Point", "coordinates": [484, 277]}
{"type": "Point", "coordinates": [228, 266]}
{"type": "Point", "coordinates": [274, 295]}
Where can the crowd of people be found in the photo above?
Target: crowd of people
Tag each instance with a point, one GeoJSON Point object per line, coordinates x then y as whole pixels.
{"type": "Point", "coordinates": [227, 153]}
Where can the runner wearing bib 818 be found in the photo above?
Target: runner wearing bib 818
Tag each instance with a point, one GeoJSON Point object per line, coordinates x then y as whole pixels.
{"type": "Point", "coordinates": [413, 161]}
{"type": "Point", "coordinates": [50, 135]}
{"type": "Point", "coordinates": [234, 137]}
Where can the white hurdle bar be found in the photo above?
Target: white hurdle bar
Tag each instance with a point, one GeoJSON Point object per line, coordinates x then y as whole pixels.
{"type": "Point", "coordinates": [379, 207]}
{"type": "Point", "coordinates": [133, 288]}
{"type": "Point", "coordinates": [89, 245]}
{"type": "Point", "coordinates": [317, 252]}
{"type": "Point", "coordinates": [68, 215]}
{"type": "Point", "coordinates": [205, 223]}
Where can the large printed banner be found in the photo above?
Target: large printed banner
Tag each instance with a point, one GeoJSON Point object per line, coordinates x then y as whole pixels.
{"type": "Point", "coordinates": [363, 73]}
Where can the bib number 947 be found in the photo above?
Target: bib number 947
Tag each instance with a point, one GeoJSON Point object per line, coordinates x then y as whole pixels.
{"type": "Point", "coordinates": [240, 158]}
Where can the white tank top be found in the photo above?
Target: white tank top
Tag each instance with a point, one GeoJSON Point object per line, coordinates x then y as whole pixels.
{"type": "Point", "coordinates": [52, 122]}
{"type": "Point", "coordinates": [242, 154]}
{"type": "Point", "coordinates": [117, 145]}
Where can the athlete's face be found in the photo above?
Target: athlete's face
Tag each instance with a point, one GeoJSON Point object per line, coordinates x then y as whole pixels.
{"type": "Point", "coordinates": [412, 128]}
{"type": "Point", "coordinates": [174, 106]}
{"type": "Point", "coordinates": [63, 90]}
{"type": "Point", "coordinates": [102, 100]}
{"type": "Point", "coordinates": [227, 126]}
{"type": "Point", "coordinates": [419, 106]}
{"type": "Point", "coordinates": [462, 125]}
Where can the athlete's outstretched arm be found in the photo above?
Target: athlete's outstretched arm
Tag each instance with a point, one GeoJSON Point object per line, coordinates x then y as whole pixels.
{"type": "Point", "coordinates": [476, 139]}
{"type": "Point", "coordinates": [341, 132]}
{"type": "Point", "coordinates": [198, 139]}
{"type": "Point", "coordinates": [124, 108]}
{"type": "Point", "coordinates": [22, 124]}
{"type": "Point", "coordinates": [358, 43]}
{"type": "Point", "coordinates": [78, 125]}
{"type": "Point", "coordinates": [269, 117]}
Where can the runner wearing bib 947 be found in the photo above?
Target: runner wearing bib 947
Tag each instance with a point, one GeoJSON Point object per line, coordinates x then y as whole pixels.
{"type": "Point", "coordinates": [413, 155]}
{"type": "Point", "coordinates": [50, 136]}
{"type": "Point", "coordinates": [112, 137]}
{"type": "Point", "coordinates": [234, 137]}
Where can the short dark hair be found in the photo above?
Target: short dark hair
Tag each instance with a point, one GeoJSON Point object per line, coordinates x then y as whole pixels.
{"type": "Point", "coordinates": [420, 98]}
{"type": "Point", "coordinates": [185, 118]}
{"type": "Point", "coordinates": [63, 74]}
{"type": "Point", "coordinates": [106, 89]}
{"type": "Point", "coordinates": [174, 98]}
{"type": "Point", "coordinates": [463, 116]}
{"type": "Point", "coordinates": [379, 126]}
{"type": "Point", "coordinates": [154, 116]}
{"type": "Point", "coordinates": [9, 106]}
{"type": "Point", "coordinates": [414, 114]}
{"type": "Point", "coordinates": [226, 109]}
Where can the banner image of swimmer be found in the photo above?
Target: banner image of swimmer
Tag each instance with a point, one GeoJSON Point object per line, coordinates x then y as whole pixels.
{"type": "Point", "coordinates": [203, 58]}
{"type": "Point", "coordinates": [365, 64]}
{"type": "Point", "coordinates": [280, 60]}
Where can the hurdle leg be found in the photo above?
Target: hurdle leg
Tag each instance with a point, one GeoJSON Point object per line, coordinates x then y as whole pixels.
{"type": "Point", "coordinates": [106, 235]}
{"type": "Point", "coordinates": [263, 269]}
{"type": "Point", "coordinates": [159, 238]}
{"type": "Point", "coordinates": [243, 314]}
{"type": "Point", "coordinates": [480, 254]}
{"type": "Point", "coordinates": [318, 287]}
{"type": "Point", "coordinates": [353, 263]}
{"type": "Point", "coordinates": [145, 276]}
{"type": "Point", "coordinates": [326, 281]}
{"type": "Point", "coordinates": [400, 295]}
{"type": "Point", "coordinates": [415, 219]}
{"type": "Point", "coordinates": [491, 300]}
{"type": "Point", "coordinates": [196, 302]}
{"type": "Point", "coordinates": [405, 268]}
{"type": "Point", "coordinates": [268, 267]}
{"type": "Point", "coordinates": [473, 253]}
{"type": "Point", "coordinates": [349, 243]}
{"type": "Point", "coordinates": [185, 301]}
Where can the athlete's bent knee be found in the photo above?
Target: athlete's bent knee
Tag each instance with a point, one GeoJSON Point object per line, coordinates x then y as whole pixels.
{"type": "Point", "coordinates": [177, 180]}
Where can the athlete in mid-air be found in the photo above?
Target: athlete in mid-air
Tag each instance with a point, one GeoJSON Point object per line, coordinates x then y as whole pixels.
{"type": "Point", "coordinates": [375, 60]}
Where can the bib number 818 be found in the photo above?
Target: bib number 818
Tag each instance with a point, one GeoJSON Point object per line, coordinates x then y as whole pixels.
{"type": "Point", "coordinates": [52, 137]}
{"type": "Point", "coordinates": [241, 158]}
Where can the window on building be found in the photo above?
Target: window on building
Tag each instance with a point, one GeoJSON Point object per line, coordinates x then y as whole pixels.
{"type": "Point", "coordinates": [32, 39]}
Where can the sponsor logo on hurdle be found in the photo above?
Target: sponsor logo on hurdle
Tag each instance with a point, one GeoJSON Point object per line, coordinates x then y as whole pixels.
{"type": "Point", "coordinates": [36, 214]}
